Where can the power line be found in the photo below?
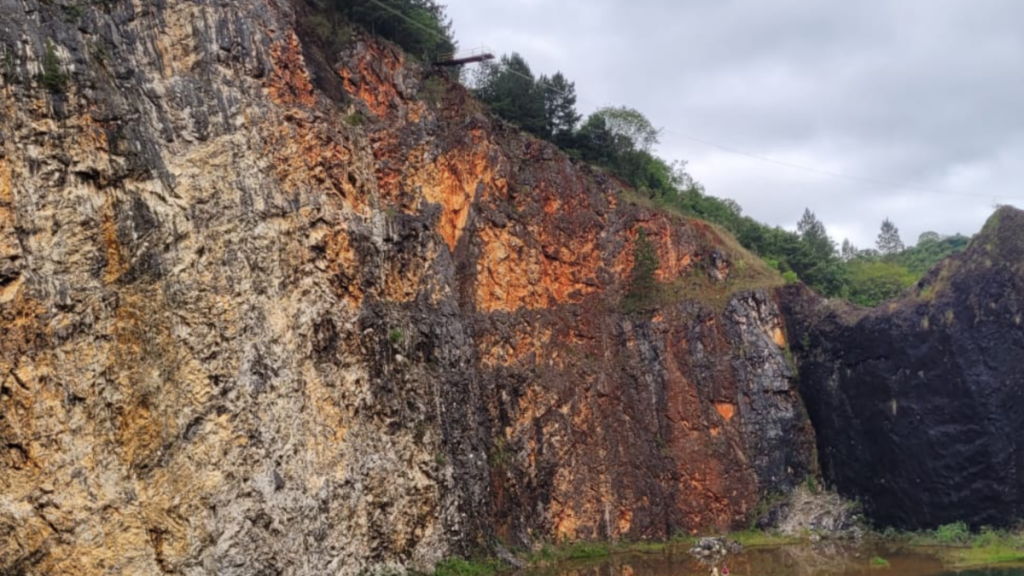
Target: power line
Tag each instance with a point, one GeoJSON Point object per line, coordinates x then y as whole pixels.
{"type": "Point", "coordinates": [724, 148]}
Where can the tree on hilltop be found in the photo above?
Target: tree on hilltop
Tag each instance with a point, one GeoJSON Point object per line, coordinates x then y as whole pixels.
{"type": "Point", "coordinates": [889, 243]}
{"type": "Point", "coordinates": [559, 108]}
{"type": "Point", "coordinates": [420, 27]}
{"type": "Point", "coordinates": [512, 92]}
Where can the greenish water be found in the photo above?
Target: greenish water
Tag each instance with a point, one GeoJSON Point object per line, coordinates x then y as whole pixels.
{"type": "Point", "coordinates": [821, 559]}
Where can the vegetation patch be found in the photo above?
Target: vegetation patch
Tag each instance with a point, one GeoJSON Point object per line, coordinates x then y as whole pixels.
{"type": "Point", "coordinates": [53, 76]}
{"type": "Point", "coordinates": [420, 27]}
{"type": "Point", "coordinates": [591, 550]}
{"type": "Point", "coordinates": [955, 533]}
{"type": "Point", "coordinates": [643, 292]}
{"type": "Point", "coordinates": [355, 119]}
{"type": "Point", "coordinates": [433, 90]}
{"type": "Point", "coordinates": [763, 538]}
{"type": "Point", "coordinates": [463, 567]}
{"type": "Point", "coordinates": [332, 32]}
{"type": "Point", "coordinates": [959, 548]}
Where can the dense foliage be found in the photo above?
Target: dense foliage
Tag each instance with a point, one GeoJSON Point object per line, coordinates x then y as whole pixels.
{"type": "Point", "coordinates": [512, 92]}
{"type": "Point", "coordinates": [930, 248]}
{"type": "Point", "coordinates": [420, 27]}
{"type": "Point", "coordinates": [545, 107]}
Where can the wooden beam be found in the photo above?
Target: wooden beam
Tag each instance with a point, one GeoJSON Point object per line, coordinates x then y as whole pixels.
{"type": "Point", "coordinates": [466, 60]}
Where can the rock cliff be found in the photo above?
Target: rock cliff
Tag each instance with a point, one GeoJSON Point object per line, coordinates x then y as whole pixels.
{"type": "Point", "coordinates": [918, 405]}
{"type": "Point", "coordinates": [269, 309]}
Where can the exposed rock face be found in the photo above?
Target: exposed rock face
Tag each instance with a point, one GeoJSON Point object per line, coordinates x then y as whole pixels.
{"type": "Point", "coordinates": [918, 405]}
{"type": "Point", "coordinates": [253, 326]}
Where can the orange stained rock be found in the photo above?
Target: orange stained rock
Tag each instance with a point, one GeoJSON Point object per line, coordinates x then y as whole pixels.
{"type": "Point", "coordinates": [779, 337]}
{"type": "Point", "coordinates": [404, 280]}
{"type": "Point", "coordinates": [674, 245]}
{"type": "Point", "coordinates": [331, 416]}
{"type": "Point", "coordinates": [453, 187]}
{"type": "Point", "coordinates": [565, 524]}
{"type": "Point", "coordinates": [373, 86]}
{"type": "Point", "coordinates": [6, 190]}
{"type": "Point", "coordinates": [527, 341]}
{"type": "Point", "coordinates": [451, 180]}
{"type": "Point", "coordinates": [512, 274]}
{"type": "Point", "coordinates": [625, 520]}
{"type": "Point", "coordinates": [289, 82]}
{"type": "Point", "coordinates": [552, 204]}
{"type": "Point", "coordinates": [726, 410]}
{"type": "Point", "coordinates": [343, 263]}
{"type": "Point", "coordinates": [139, 434]}
{"type": "Point", "coordinates": [305, 153]}
{"type": "Point", "coordinates": [115, 264]}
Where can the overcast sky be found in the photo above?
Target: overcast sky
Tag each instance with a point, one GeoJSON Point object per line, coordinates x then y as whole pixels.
{"type": "Point", "coordinates": [924, 93]}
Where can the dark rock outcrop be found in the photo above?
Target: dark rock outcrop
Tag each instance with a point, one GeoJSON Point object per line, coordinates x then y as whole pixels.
{"type": "Point", "coordinates": [918, 405]}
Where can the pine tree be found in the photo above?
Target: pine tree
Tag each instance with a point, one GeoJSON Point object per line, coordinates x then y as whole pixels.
{"type": "Point", "coordinates": [814, 235]}
{"type": "Point", "coordinates": [512, 92]}
{"type": "Point", "coordinates": [809, 224]}
{"type": "Point", "coordinates": [889, 243]}
{"type": "Point", "coordinates": [594, 141]}
{"type": "Point", "coordinates": [559, 107]}
{"type": "Point", "coordinates": [848, 251]}
{"type": "Point", "coordinates": [421, 27]}
{"type": "Point", "coordinates": [815, 259]}
{"type": "Point", "coordinates": [642, 293]}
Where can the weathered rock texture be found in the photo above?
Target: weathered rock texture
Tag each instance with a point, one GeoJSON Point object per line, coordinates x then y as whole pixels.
{"type": "Point", "coordinates": [918, 405]}
{"type": "Point", "coordinates": [268, 310]}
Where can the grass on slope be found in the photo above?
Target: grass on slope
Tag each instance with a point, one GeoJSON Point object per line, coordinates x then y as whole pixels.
{"type": "Point", "coordinates": [746, 270]}
{"type": "Point", "coordinates": [959, 548]}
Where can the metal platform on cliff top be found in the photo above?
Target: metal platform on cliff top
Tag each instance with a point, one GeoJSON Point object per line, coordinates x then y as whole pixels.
{"type": "Point", "coordinates": [455, 59]}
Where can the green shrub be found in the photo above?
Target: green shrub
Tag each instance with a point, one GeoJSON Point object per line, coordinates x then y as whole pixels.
{"type": "Point", "coordinates": [433, 90]}
{"type": "Point", "coordinates": [396, 336]}
{"type": "Point", "coordinates": [73, 13]}
{"type": "Point", "coordinates": [53, 78]}
{"type": "Point", "coordinates": [582, 550]}
{"type": "Point", "coordinates": [420, 27]}
{"type": "Point", "coordinates": [988, 537]}
{"type": "Point", "coordinates": [332, 33]}
{"type": "Point", "coordinates": [812, 484]}
{"type": "Point", "coordinates": [954, 533]}
{"type": "Point", "coordinates": [643, 290]}
{"type": "Point", "coordinates": [463, 567]}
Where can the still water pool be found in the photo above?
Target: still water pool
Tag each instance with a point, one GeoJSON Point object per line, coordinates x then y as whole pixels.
{"type": "Point", "coordinates": [823, 559]}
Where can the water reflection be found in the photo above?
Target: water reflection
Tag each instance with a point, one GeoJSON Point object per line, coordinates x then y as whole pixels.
{"type": "Point", "coordinates": [822, 559]}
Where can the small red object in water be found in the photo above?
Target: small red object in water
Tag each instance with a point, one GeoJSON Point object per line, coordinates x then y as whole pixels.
{"type": "Point", "coordinates": [725, 571]}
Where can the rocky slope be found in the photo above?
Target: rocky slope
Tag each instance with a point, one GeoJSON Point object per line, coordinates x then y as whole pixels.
{"type": "Point", "coordinates": [918, 405]}
{"type": "Point", "coordinates": [269, 309]}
